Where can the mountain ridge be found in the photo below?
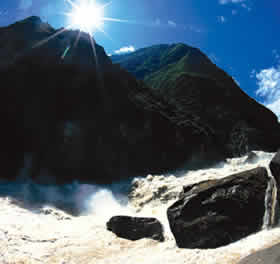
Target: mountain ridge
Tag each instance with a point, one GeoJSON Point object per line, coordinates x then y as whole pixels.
{"type": "Point", "coordinates": [173, 81]}
{"type": "Point", "coordinates": [161, 54]}
{"type": "Point", "coordinates": [78, 117]}
{"type": "Point", "coordinates": [46, 39]}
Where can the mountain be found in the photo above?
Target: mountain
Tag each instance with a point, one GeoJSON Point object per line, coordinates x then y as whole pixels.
{"type": "Point", "coordinates": [202, 93]}
{"type": "Point", "coordinates": [69, 113]}
{"type": "Point", "coordinates": [32, 37]}
{"type": "Point", "coordinates": [146, 63]}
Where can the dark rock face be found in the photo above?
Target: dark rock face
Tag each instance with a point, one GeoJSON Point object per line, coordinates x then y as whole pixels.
{"type": "Point", "coordinates": [79, 119]}
{"type": "Point", "coordinates": [275, 167]}
{"type": "Point", "coordinates": [134, 228]}
{"type": "Point", "coordinates": [252, 157]}
{"type": "Point", "coordinates": [203, 98]}
{"type": "Point", "coordinates": [216, 213]}
{"type": "Point", "coordinates": [86, 118]}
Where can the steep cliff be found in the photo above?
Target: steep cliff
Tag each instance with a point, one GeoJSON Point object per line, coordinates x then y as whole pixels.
{"type": "Point", "coordinates": [78, 116]}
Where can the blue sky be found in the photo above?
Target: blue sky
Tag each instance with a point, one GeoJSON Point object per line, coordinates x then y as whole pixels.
{"type": "Point", "coordinates": [240, 36]}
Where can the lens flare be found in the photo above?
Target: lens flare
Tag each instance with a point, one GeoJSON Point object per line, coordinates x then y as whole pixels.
{"type": "Point", "coordinates": [86, 15]}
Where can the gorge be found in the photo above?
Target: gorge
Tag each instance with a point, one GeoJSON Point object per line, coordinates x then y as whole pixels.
{"type": "Point", "coordinates": [99, 154]}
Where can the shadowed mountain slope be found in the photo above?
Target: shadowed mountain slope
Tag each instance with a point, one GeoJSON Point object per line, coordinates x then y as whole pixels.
{"type": "Point", "coordinates": [72, 115]}
{"type": "Point", "coordinates": [203, 94]}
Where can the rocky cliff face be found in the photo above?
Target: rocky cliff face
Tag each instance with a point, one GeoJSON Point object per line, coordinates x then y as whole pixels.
{"type": "Point", "coordinates": [80, 116]}
{"type": "Point", "coordinates": [203, 97]}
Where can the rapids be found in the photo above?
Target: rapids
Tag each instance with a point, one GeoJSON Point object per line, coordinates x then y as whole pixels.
{"type": "Point", "coordinates": [51, 224]}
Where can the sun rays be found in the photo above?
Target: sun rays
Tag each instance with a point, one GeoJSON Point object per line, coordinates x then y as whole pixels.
{"type": "Point", "coordinates": [85, 16]}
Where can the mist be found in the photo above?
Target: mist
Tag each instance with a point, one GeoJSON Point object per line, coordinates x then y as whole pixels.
{"type": "Point", "coordinates": [75, 198]}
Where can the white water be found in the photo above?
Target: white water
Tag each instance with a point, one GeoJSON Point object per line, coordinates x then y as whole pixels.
{"type": "Point", "coordinates": [271, 203]}
{"type": "Point", "coordinates": [33, 232]}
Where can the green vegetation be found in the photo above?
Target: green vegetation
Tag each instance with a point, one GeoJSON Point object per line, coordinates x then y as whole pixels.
{"type": "Point", "coordinates": [146, 61]}
{"type": "Point", "coordinates": [161, 65]}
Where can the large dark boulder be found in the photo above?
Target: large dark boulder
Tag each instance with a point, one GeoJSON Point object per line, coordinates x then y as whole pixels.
{"type": "Point", "coordinates": [134, 228]}
{"type": "Point", "coordinates": [274, 166]}
{"type": "Point", "coordinates": [216, 213]}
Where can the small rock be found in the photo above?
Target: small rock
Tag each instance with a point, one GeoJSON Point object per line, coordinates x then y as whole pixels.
{"type": "Point", "coordinates": [134, 228]}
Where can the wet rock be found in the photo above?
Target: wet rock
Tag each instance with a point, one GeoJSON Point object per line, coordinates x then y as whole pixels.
{"type": "Point", "coordinates": [275, 167]}
{"type": "Point", "coordinates": [156, 190]}
{"type": "Point", "coordinates": [216, 213]}
{"type": "Point", "coordinates": [194, 186]}
{"type": "Point", "coordinates": [134, 228]}
{"type": "Point", "coordinates": [54, 213]}
{"type": "Point", "coordinates": [251, 158]}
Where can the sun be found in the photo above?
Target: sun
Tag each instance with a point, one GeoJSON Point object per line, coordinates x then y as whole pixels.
{"type": "Point", "coordinates": [86, 15]}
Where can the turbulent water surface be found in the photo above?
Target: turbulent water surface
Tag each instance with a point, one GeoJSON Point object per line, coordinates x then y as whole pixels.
{"type": "Point", "coordinates": [51, 224]}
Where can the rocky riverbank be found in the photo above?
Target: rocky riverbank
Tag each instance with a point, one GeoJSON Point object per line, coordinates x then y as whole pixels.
{"type": "Point", "coordinates": [45, 234]}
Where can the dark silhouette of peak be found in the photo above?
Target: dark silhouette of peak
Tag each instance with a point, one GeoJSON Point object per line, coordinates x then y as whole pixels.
{"type": "Point", "coordinates": [32, 19]}
{"type": "Point", "coordinates": [29, 24]}
{"type": "Point", "coordinates": [32, 37]}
